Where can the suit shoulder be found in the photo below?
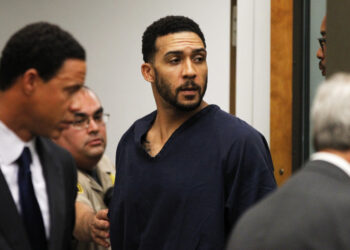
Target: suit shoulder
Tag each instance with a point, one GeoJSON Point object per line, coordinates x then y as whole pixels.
{"type": "Point", "coordinates": [60, 156]}
{"type": "Point", "coordinates": [52, 147]}
{"type": "Point", "coordinates": [308, 194]}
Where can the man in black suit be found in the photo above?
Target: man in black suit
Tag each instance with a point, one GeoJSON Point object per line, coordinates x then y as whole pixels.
{"type": "Point", "coordinates": [41, 68]}
{"type": "Point", "coordinates": [310, 211]}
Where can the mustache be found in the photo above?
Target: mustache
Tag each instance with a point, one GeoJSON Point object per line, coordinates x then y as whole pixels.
{"type": "Point", "coordinates": [188, 85]}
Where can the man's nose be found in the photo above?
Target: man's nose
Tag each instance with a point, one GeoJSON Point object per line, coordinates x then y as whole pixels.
{"type": "Point", "coordinates": [92, 126]}
{"type": "Point", "coordinates": [189, 69]}
{"type": "Point", "coordinates": [320, 54]}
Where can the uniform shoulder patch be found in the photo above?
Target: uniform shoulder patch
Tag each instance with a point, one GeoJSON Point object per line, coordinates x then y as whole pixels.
{"type": "Point", "coordinates": [112, 176]}
{"type": "Point", "coordinates": [80, 188]}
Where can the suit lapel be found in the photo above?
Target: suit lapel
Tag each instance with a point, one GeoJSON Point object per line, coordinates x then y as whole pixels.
{"type": "Point", "coordinates": [53, 177]}
{"type": "Point", "coordinates": [11, 226]}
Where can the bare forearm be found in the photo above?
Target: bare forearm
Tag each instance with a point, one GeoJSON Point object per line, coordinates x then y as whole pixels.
{"type": "Point", "coordinates": [84, 218]}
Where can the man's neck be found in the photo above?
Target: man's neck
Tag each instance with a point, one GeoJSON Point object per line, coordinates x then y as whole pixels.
{"type": "Point", "coordinates": [13, 115]}
{"type": "Point", "coordinates": [93, 174]}
{"type": "Point", "coordinates": [343, 154]}
{"type": "Point", "coordinates": [165, 124]}
{"type": "Point", "coordinates": [87, 164]}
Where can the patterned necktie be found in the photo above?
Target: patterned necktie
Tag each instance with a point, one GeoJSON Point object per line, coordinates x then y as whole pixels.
{"type": "Point", "coordinates": [31, 214]}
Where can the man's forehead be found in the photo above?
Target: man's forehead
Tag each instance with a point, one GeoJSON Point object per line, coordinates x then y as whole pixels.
{"type": "Point", "coordinates": [72, 68]}
{"type": "Point", "coordinates": [87, 101]}
{"type": "Point", "coordinates": [85, 113]}
{"type": "Point", "coordinates": [178, 41]}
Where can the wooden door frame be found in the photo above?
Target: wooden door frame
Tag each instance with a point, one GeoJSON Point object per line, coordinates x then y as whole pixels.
{"type": "Point", "coordinates": [281, 88]}
{"type": "Point", "coordinates": [301, 83]}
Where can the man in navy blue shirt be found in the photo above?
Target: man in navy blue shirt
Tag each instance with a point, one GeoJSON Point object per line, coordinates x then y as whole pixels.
{"type": "Point", "coordinates": [188, 170]}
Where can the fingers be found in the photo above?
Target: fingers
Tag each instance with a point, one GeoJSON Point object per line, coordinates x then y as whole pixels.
{"type": "Point", "coordinates": [100, 233]}
{"type": "Point", "coordinates": [100, 224]}
{"type": "Point", "coordinates": [100, 221]}
{"type": "Point", "coordinates": [102, 214]}
{"type": "Point", "coordinates": [102, 242]}
{"type": "Point", "coordinates": [100, 228]}
{"type": "Point", "coordinates": [100, 237]}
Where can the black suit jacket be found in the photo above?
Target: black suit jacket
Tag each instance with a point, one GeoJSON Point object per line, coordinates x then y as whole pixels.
{"type": "Point", "coordinates": [311, 211]}
{"type": "Point", "coordinates": [60, 176]}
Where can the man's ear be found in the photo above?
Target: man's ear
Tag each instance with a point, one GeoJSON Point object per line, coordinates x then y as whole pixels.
{"type": "Point", "coordinates": [148, 72]}
{"type": "Point", "coordinates": [29, 81]}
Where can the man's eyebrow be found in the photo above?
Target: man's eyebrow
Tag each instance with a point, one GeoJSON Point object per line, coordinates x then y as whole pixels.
{"type": "Point", "coordinates": [200, 50]}
{"type": "Point", "coordinates": [80, 114]}
{"type": "Point", "coordinates": [74, 88]}
{"type": "Point", "coordinates": [100, 110]}
{"type": "Point", "coordinates": [174, 52]}
{"type": "Point", "coordinates": [179, 52]}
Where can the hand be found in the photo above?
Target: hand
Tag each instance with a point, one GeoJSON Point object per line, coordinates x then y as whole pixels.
{"type": "Point", "coordinates": [99, 228]}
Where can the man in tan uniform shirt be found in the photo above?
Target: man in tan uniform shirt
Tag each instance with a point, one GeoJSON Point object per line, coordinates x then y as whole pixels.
{"type": "Point", "coordinates": [85, 139]}
{"type": "Point", "coordinates": [90, 191]}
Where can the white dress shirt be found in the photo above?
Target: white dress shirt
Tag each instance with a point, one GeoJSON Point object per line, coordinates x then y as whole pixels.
{"type": "Point", "coordinates": [11, 148]}
{"type": "Point", "coordinates": [333, 159]}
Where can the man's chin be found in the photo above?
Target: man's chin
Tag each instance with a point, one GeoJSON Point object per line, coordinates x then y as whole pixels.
{"type": "Point", "coordinates": [96, 152]}
{"type": "Point", "coordinates": [188, 106]}
{"type": "Point", "coordinates": [95, 157]}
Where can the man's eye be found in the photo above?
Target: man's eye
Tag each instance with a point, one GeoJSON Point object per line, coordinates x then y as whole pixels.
{"type": "Point", "coordinates": [79, 121]}
{"type": "Point", "coordinates": [198, 59]}
{"type": "Point", "coordinates": [174, 60]}
{"type": "Point", "coordinates": [73, 89]}
{"type": "Point", "coordinates": [98, 117]}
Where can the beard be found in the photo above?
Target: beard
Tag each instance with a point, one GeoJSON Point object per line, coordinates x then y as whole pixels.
{"type": "Point", "coordinates": [164, 90]}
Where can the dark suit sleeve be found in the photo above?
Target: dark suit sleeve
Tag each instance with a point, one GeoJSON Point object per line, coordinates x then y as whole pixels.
{"type": "Point", "coordinates": [70, 176]}
{"type": "Point", "coordinates": [61, 177]}
{"type": "Point", "coordinates": [68, 172]}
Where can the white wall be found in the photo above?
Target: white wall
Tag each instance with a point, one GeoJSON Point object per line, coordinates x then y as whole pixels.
{"type": "Point", "coordinates": [253, 64]}
{"type": "Point", "coordinates": [110, 31]}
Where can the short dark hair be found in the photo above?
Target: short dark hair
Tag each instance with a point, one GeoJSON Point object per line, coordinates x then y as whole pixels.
{"type": "Point", "coordinates": [42, 46]}
{"type": "Point", "coordinates": [165, 26]}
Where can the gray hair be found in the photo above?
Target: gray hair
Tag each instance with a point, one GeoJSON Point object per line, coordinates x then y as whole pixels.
{"type": "Point", "coordinates": [330, 114]}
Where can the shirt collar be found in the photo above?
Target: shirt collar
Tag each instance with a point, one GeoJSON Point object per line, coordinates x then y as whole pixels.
{"type": "Point", "coordinates": [11, 145]}
{"type": "Point", "coordinates": [333, 159]}
{"type": "Point", "coordinates": [144, 124]}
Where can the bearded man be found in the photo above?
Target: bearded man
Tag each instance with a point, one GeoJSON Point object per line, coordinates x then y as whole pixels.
{"type": "Point", "coordinates": [188, 170]}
